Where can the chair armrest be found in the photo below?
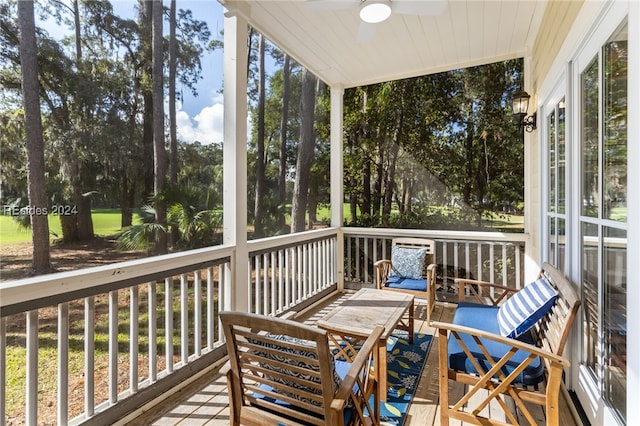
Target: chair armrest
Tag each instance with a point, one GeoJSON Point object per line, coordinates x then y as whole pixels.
{"type": "Point", "coordinates": [383, 268]}
{"type": "Point", "coordinates": [482, 290]}
{"type": "Point", "coordinates": [517, 344]}
{"type": "Point", "coordinates": [360, 363]}
{"type": "Point", "coordinates": [431, 277]}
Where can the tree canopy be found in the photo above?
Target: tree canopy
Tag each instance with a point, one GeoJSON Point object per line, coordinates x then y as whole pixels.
{"type": "Point", "coordinates": [435, 151]}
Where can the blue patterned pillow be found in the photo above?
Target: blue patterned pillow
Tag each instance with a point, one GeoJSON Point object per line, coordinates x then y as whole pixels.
{"type": "Point", "coordinates": [310, 354]}
{"type": "Point", "coordinates": [407, 262]}
{"type": "Point", "coordinates": [525, 308]}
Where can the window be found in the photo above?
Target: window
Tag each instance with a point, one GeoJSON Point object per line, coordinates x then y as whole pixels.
{"type": "Point", "coordinates": [556, 178]}
{"type": "Point", "coordinates": [603, 219]}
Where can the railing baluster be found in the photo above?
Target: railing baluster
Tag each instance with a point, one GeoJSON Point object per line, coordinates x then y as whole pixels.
{"type": "Point", "coordinates": [365, 260]}
{"type": "Point", "coordinates": [492, 263]}
{"type": "Point", "coordinates": [168, 324]}
{"type": "Point", "coordinates": [479, 260]}
{"type": "Point", "coordinates": [504, 264]}
{"type": "Point", "coordinates": [349, 274]}
{"type": "Point", "coordinates": [275, 293]}
{"type": "Point", "coordinates": [313, 251]}
{"type": "Point", "coordinates": [333, 255]}
{"type": "Point", "coordinates": [210, 310]}
{"type": "Point", "coordinates": [197, 313]}
{"type": "Point", "coordinates": [305, 269]}
{"type": "Point", "coordinates": [153, 331]}
{"type": "Point", "coordinates": [222, 297]}
{"type": "Point", "coordinates": [89, 359]}
{"type": "Point", "coordinates": [518, 272]}
{"type": "Point", "coordinates": [456, 261]}
{"type": "Point", "coordinates": [134, 337]}
{"type": "Point", "coordinates": [184, 319]}
{"type": "Point", "coordinates": [63, 363]}
{"type": "Point", "coordinates": [113, 347]}
{"type": "Point", "coordinates": [258, 289]}
{"type": "Point", "coordinates": [358, 276]}
{"type": "Point", "coordinates": [287, 282]}
{"type": "Point", "coordinates": [299, 283]}
{"type": "Point", "coordinates": [282, 291]}
{"type": "Point", "coordinates": [467, 261]}
{"type": "Point", "coordinates": [445, 264]}
{"type": "Point", "coordinates": [268, 286]}
{"type": "Point", "coordinates": [32, 368]}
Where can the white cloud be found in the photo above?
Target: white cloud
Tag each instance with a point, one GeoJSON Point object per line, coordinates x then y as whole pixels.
{"type": "Point", "coordinates": [205, 127]}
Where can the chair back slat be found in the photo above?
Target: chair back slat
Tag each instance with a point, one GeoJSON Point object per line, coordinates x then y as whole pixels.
{"type": "Point", "coordinates": [417, 243]}
{"type": "Point", "coordinates": [298, 370]}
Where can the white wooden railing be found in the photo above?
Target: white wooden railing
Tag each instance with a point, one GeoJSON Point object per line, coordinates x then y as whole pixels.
{"type": "Point", "coordinates": [287, 270]}
{"type": "Point", "coordinates": [156, 319]}
{"type": "Point", "coordinates": [173, 298]}
{"type": "Point", "coordinates": [489, 256]}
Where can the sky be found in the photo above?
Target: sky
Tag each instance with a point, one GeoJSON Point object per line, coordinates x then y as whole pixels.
{"type": "Point", "coordinates": [199, 118]}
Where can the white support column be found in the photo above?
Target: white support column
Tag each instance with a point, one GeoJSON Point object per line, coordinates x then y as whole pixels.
{"type": "Point", "coordinates": [337, 193]}
{"type": "Point", "coordinates": [532, 170]}
{"type": "Point", "coordinates": [235, 157]}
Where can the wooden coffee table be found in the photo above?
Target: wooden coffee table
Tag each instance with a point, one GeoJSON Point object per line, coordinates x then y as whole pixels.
{"type": "Point", "coordinates": [365, 310]}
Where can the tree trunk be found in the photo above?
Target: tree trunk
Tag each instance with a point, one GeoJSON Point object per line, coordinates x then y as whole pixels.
{"type": "Point", "coordinates": [469, 175]}
{"type": "Point", "coordinates": [158, 128]}
{"type": "Point", "coordinates": [366, 188]}
{"type": "Point", "coordinates": [126, 202]}
{"type": "Point", "coordinates": [379, 178]}
{"type": "Point", "coordinates": [312, 202]}
{"type": "Point", "coordinates": [258, 210]}
{"type": "Point", "coordinates": [282, 177]}
{"type": "Point", "coordinates": [82, 181]}
{"type": "Point", "coordinates": [146, 36]}
{"type": "Point", "coordinates": [34, 139]}
{"type": "Point", "coordinates": [390, 183]}
{"type": "Point", "coordinates": [305, 152]}
{"type": "Point", "coordinates": [173, 136]}
{"type": "Point", "coordinates": [391, 175]}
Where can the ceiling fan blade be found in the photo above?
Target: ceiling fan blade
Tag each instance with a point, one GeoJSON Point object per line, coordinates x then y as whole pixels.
{"type": "Point", "coordinates": [419, 7]}
{"type": "Point", "coordinates": [331, 4]}
{"type": "Point", "coordinates": [366, 32]}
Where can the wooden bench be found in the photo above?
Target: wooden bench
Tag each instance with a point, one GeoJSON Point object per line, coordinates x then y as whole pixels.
{"type": "Point", "coordinates": [528, 369]}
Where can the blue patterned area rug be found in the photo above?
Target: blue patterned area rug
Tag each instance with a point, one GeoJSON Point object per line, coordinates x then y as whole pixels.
{"type": "Point", "coordinates": [405, 364]}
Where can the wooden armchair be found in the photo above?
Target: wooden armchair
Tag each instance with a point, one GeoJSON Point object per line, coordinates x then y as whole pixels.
{"type": "Point", "coordinates": [285, 372]}
{"type": "Point", "coordinates": [411, 269]}
{"type": "Point", "coordinates": [529, 368]}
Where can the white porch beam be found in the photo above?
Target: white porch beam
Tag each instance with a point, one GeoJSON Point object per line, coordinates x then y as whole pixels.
{"type": "Point", "coordinates": [337, 179]}
{"type": "Point", "coordinates": [235, 158]}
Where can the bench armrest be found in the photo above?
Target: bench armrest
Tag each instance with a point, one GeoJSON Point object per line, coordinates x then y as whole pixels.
{"type": "Point", "coordinates": [443, 328]}
{"type": "Point", "coordinates": [483, 290]}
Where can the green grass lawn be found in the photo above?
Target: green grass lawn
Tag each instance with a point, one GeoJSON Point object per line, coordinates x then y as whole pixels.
{"type": "Point", "coordinates": [105, 222]}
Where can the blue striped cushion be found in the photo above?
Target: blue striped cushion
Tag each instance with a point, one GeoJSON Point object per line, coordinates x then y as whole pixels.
{"type": "Point", "coordinates": [525, 308]}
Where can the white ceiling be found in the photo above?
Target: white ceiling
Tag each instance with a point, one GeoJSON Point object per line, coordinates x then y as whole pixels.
{"type": "Point", "coordinates": [468, 33]}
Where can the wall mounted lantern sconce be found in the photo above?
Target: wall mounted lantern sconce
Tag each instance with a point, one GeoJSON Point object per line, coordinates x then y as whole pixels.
{"type": "Point", "coordinates": [520, 105]}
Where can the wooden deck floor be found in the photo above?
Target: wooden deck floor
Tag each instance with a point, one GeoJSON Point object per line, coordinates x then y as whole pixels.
{"type": "Point", "coordinates": [205, 402]}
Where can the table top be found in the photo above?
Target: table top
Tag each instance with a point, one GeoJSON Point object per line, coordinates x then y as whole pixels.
{"type": "Point", "coordinates": [367, 309]}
